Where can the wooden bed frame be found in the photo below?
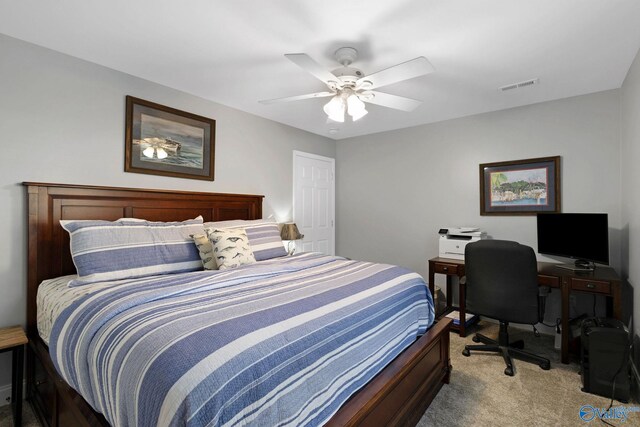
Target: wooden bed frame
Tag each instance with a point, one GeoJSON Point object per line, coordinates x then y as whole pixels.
{"type": "Point", "coordinates": [397, 396]}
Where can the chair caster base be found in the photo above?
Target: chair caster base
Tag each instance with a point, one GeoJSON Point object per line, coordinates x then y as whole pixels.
{"type": "Point", "coordinates": [517, 344]}
{"type": "Point", "coordinates": [475, 338]}
{"type": "Point", "coordinates": [509, 371]}
{"type": "Point", "coordinates": [466, 352]}
{"type": "Point", "coordinates": [545, 366]}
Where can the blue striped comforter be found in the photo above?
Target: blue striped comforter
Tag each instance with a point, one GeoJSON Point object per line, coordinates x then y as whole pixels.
{"type": "Point", "coordinates": [279, 342]}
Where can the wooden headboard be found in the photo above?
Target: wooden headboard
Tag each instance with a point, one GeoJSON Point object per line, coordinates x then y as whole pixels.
{"type": "Point", "coordinates": [49, 254]}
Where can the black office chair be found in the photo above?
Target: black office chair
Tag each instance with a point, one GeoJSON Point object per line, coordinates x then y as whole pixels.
{"type": "Point", "coordinates": [502, 283]}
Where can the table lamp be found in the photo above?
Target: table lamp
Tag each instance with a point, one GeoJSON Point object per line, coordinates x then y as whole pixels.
{"type": "Point", "coordinates": [290, 233]}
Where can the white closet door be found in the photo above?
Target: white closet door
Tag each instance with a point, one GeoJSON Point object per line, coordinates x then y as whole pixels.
{"type": "Point", "coordinates": [314, 201]}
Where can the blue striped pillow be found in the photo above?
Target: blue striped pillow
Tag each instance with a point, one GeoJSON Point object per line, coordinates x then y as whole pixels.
{"type": "Point", "coordinates": [129, 248]}
{"type": "Point", "coordinates": [264, 236]}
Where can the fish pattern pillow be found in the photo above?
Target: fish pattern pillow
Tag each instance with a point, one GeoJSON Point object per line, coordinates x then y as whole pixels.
{"type": "Point", "coordinates": [263, 234]}
{"type": "Point", "coordinates": [205, 250]}
{"type": "Point", "coordinates": [231, 248]}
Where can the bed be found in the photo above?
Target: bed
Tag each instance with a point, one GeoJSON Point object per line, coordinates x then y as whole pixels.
{"type": "Point", "coordinates": [397, 395]}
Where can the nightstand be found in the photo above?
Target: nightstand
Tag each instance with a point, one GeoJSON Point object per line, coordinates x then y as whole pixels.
{"type": "Point", "coordinates": [13, 339]}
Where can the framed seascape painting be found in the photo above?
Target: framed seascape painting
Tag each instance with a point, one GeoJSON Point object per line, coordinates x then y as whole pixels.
{"type": "Point", "coordinates": [520, 187]}
{"type": "Point", "coordinates": [160, 140]}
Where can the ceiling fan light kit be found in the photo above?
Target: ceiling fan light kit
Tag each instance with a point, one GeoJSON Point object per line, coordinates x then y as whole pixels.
{"type": "Point", "coordinates": [345, 100]}
{"type": "Point", "coordinates": [350, 88]}
{"type": "Point", "coordinates": [335, 109]}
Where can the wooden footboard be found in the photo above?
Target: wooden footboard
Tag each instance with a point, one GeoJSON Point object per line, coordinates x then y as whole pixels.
{"type": "Point", "coordinates": [398, 396]}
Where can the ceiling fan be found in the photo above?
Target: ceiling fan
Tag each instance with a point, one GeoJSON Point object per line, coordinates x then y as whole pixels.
{"type": "Point", "coordinates": [350, 88]}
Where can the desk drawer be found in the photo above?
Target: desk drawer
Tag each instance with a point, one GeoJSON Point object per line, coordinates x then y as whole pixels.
{"type": "Point", "coordinates": [551, 281]}
{"type": "Point", "coordinates": [590, 285]}
{"type": "Point", "coordinates": [444, 268]}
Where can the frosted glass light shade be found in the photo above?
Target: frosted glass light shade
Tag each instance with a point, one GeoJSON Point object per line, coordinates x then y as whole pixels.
{"type": "Point", "coordinates": [356, 107]}
{"type": "Point", "coordinates": [335, 109]}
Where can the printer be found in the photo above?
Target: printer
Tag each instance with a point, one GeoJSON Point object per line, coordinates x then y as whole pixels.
{"type": "Point", "coordinates": [453, 240]}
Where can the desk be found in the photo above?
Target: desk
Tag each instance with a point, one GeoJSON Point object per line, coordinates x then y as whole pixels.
{"type": "Point", "coordinates": [601, 281]}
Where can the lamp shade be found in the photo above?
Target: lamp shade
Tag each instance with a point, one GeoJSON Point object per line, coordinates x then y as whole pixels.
{"type": "Point", "coordinates": [356, 107]}
{"type": "Point", "coordinates": [290, 232]}
{"type": "Point", "coordinates": [335, 108]}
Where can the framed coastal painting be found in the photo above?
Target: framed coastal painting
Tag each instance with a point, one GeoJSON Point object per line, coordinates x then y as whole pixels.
{"type": "Point", "coordinates": [161, 140]}
{"type": "Point", "coordinates": [520, 187]}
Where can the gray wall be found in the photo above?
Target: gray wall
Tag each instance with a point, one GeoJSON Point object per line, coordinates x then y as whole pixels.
{"type": "Point", "coordinates": [396, 189]}
{"type": "Point", "coordinates": [630, 194]}
{"type": "Point", "coordinates": [62, 121]}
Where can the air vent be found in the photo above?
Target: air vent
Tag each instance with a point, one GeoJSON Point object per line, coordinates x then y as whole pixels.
{"type": "Point", "coordinates": [520, 84]}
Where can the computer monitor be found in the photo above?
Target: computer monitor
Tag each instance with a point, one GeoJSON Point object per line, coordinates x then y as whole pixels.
{"type": "Point", "coordinates": [582, 236]}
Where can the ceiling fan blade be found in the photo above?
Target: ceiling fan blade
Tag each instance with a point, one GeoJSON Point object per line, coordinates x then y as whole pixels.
{"type": "Point", "coordinates": [405, 71]}
{"type": "Point", "coordinates": [308, 64]}
{"type": "Point", "coordinates": [391, 101]}
{"type": "Point", "coordinates": [297, 98]}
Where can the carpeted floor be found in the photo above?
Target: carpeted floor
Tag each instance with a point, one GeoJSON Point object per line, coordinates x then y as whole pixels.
{"type": "Point", "coordinates": [28, 418]}
{"type": "Point", "coordinates": [481, 395]}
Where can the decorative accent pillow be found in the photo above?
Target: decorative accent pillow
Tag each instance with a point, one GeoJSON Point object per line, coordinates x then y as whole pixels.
{"type": "Point", "coordinates": [231, 248]}
{"type": "Point", "coordinates": [205, 250]}
{"type": "Point", "coordinates": [264, 236]}
{"type": "Point", "coordinates": [124, 249]}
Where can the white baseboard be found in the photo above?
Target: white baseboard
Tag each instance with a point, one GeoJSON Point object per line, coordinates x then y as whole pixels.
{"type": "Point", "coordinates": [5, 393]}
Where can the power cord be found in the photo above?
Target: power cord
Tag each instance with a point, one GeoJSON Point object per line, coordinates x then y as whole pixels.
{"type": "Point", "coordinates": [557, 325]}
{"type": "Point", "coordinates": [613, 380]}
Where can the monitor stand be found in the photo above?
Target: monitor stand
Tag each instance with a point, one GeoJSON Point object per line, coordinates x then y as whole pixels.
{"type": "Point", "coordinates": [579, 265]}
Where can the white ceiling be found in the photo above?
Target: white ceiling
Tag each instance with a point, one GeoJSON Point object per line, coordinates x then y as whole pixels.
{"type": "Point", "coordinates": [231, 51]}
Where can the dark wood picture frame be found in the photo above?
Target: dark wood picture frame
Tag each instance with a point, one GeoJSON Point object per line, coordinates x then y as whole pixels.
{"type": "Point", "coordinates": [518, 192]}
{"type": "Point", "coordinates": [161, 140]}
